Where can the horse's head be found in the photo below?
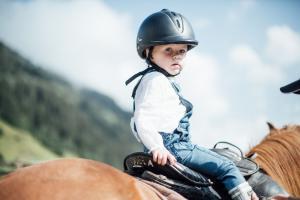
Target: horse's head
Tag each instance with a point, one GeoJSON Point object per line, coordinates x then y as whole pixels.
{"type": "Point", "coordinates": [278, 154]}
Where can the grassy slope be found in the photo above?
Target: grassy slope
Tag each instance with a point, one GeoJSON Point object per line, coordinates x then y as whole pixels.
{"type": "Point", "coordinates": [17, 145]}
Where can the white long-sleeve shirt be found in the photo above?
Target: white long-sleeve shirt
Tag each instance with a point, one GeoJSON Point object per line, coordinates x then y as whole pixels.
{"type": "Point", "coordinates": [157, 109]}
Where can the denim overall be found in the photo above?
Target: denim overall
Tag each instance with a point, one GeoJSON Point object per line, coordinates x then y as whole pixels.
{"type": "Point", "coordinates": [199, 158]}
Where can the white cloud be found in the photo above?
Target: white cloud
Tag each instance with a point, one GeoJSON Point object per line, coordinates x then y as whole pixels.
{"type": "Point", "coordinates": [200, 80]}
{"type": "Point", "coordinates": [242, 132]}
{"type": "Point", "coordinates": [262, 76]}
{"type": "Point", "coordinates": [256, 70]}
{"type": "Point", "coordinates": [235, 14]}
{"type": "Point", "coordinates": [283, 45]}
{"type": "Point", "coordinates": [282, 49]}
{"type": "Point", "coordinates": [86, 41]}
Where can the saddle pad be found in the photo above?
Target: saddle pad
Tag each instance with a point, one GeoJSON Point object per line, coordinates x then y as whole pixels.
{"type": "Point", "coordinates": [136, 163]}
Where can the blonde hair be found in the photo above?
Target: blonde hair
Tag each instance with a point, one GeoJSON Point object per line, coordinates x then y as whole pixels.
{"type": "Point", "coordinates": [278, 155]}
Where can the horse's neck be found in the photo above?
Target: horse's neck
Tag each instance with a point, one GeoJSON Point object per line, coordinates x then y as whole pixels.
{"type": "Point", "coordinates": [279, 156]}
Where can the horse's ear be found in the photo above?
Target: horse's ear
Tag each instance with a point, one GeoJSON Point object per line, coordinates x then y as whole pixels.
{"type": "Point", "coordinates": [271, 126]}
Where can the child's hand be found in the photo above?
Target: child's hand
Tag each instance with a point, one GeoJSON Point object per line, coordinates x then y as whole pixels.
{"type": "Point", "coordinates": [161, 156]}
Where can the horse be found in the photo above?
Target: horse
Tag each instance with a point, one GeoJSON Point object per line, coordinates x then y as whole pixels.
{"type": "Point", "coordinates": [278, 154]}
{"type": "Point", "coordinates": [75, 178]}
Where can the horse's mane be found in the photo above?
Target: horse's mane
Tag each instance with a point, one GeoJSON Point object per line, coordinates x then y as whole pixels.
{"type": "Point", "coordinates": [278, 155]}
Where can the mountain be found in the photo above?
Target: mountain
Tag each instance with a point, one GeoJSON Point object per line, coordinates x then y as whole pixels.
{"type": "Point", "coordinates": [63, 118]}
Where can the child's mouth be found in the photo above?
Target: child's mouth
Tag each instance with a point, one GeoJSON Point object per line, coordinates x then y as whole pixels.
{"type": "Point", "coordinates": [176, 66]}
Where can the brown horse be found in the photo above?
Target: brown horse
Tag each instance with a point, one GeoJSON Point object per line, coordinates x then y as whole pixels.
{"type": "Point", "coordinates": [278, 155]}
{"type": "Point", "coordinates": [73, 179]}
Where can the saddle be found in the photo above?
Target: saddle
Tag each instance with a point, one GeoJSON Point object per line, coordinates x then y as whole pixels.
{"type": "Point", "coordinates": [177, 177]}
{"type": "Point", "coordinates": [135, 164]}
{"type": "Point", "coordinates": [246, 166]}
{"type": "Point", "coordinates": [192, 184]}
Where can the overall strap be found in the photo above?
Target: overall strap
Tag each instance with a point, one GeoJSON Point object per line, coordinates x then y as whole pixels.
{"type": "Point", "coordinates": [177, 89]}
{"type": "Point", "coordinates": [142, 73]}
{"type": "Point", "coordinates": [151, 68]}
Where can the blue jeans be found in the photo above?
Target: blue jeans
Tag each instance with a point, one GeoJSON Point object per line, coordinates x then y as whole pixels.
{"type": "Point", "coordinates": [203, 160]}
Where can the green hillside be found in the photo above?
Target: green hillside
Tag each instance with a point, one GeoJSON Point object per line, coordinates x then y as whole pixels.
{"type": "Point", "coordinates": [61, 117]}
{"type": "Point", "coordinates": [25, 147]}
{"type": "Point", "coordinates": [18, 148]}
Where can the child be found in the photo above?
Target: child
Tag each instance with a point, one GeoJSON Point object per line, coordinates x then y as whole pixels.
{"type": "Point", "coordinates": [161, 114]}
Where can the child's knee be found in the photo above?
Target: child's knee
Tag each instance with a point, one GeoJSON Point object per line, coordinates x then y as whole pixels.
{"type": "Point", "coordinates": [229, 167]}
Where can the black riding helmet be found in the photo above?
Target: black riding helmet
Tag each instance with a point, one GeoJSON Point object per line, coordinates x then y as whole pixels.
{"type": "Point", "coordinates": [164, 27]}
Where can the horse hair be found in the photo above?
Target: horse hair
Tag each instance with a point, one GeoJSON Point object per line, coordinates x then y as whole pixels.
{"type": "Point", "coordinates": [278, 155]}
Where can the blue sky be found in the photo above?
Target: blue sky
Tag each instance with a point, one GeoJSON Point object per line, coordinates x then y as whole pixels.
{"type": "Point", "coordinates": [247, 50]}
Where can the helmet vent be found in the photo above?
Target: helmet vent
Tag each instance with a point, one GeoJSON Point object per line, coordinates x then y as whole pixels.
{"type": "Point", "coordinates": [178, 23]}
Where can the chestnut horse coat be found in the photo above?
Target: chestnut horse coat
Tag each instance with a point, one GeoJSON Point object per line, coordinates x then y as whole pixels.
{"type": "Point", "coordinates": [73, 179]}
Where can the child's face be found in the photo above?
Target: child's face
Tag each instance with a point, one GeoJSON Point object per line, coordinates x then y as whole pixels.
{"type": "Point", "coordinates": [169, 57]}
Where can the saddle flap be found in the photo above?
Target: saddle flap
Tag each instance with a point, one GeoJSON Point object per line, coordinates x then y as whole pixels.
{"type": "Point", "coordinates": [136, 163]}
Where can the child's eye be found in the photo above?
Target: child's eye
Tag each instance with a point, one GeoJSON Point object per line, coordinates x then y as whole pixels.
{"type": "Point", "coordinates": [168, 49]}
{"type": "Point", "coordinates": [182, 51]}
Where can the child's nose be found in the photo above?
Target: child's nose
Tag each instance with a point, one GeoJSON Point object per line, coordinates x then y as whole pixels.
{"type": "Point", "coordinates": [177, 57]}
